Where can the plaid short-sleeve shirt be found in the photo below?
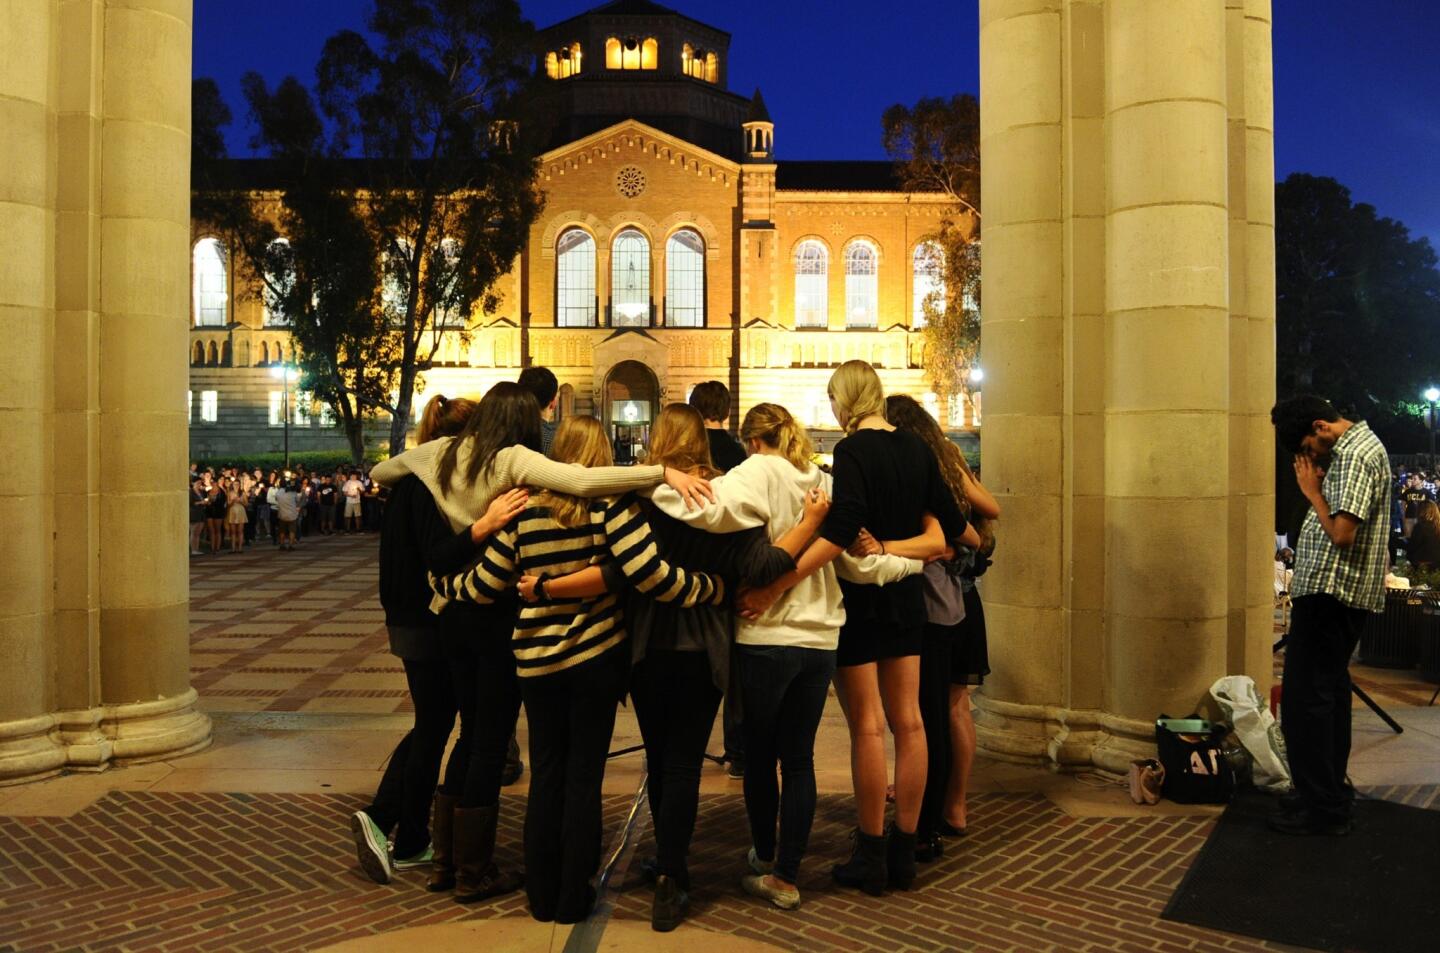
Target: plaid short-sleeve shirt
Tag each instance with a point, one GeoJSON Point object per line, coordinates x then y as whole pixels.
{"type": "Point", "coordinates": [1357, 482]}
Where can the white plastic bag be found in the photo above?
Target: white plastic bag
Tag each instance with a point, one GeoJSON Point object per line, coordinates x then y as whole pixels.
{"type": "Point", "coordinates": [1256, 728]}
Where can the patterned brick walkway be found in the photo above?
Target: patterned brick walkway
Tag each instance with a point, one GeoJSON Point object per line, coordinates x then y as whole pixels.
{"type": "Point", "coordinates": [150, 871]}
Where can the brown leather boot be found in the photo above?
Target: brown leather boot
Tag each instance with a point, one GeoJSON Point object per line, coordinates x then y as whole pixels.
{"type": "Point", "coordinates": [476, 876]}
{"type": "Point", "coordinates": [442, 843]}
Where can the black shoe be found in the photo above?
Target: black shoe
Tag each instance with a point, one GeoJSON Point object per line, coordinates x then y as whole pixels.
{"type": "Point", "coordinates": [900, 851]}
{"type": "Point", "coordinates": [1303, 823]}
{"type": "Point", "coordinates": [670, 905]}
{"type": "Point", "coordinates": [929, 848]}
{"type": "Point", "coordinates": [866, 868]}
{"type": "Point", "coordinates": [946, 829]}
{"type": "Point", "coordinates": [511, 774]}
{"type": "Point", "coordinates": [735, 769]}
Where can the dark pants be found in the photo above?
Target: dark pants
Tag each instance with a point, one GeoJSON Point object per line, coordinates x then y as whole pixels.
{"type": "Point", "coordinates": [476, 644]}
{"type": "Point", "coordinates": [784, 691]}
{"type": "Point", "coordinates": [405, 791]}
{"type": "Point", "coordinates": [675, 702]}
{"type": "Point", "coordinates": [935, 658]}
{"type": "Point", "coordinates": [1315, 710]}
{"type": "Point", "coordinates": [571, 715]}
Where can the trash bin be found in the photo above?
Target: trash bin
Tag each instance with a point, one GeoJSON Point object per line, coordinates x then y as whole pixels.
{"type": "Point", "coordinates": [1425, 629]}
{"type": "Point", "coordinates": [1386, 641]}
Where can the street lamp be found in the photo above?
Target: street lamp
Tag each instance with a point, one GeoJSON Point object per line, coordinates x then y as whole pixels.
{"type": "Point", "coordinates": [976, 375]}
{"type": "Point", "coordinates": [1431, 396]}
{"type": "Point", "coordinates": [282, 371]}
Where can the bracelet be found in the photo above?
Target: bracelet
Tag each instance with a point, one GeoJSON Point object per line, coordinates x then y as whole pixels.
{"type": "Point", "coordinates": [540, 595]}
{"type": "Point", "coordinates": [882, 547]}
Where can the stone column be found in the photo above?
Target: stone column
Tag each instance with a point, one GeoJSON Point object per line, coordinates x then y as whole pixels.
{"type": "Point", "coordinates": [1167, 416]}
{"type": "Point", "coordinates": [1129, 354]}
{"type": "Point", "coordinates": [1024, 347]}
{"type": "Point", "coordinates": [28, 53]}
{"type": "Point", "coordinates": [144, 280]}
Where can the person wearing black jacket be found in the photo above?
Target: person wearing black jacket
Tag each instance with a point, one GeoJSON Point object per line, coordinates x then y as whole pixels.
{"type": "Point", "coordinates": [414, 539]}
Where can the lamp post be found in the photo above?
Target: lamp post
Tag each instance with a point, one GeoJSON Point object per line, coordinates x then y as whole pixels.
{"type": "Point", "coordinates": [1431, 396]}
{"type": "Point", "coordinates": [282, 371]}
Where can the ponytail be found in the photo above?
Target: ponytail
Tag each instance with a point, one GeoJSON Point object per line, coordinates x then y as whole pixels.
{"type": "Point", "coordinates": [443, 417]}
{"type": "Point", "coordinates": [774, 426]}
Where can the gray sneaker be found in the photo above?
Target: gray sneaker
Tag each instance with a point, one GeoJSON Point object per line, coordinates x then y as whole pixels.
{"type": "Point", "coordinates": [421, 859]}
{"type": "Point", "coordinates": [758, 885]}
{"type": "Point", "coordinates": [371, 848]}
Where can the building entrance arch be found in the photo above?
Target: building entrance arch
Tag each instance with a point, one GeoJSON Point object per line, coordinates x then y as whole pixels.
{"type": "Point", "coordinates": [630, 399]}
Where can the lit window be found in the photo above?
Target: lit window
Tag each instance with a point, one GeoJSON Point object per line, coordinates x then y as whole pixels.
{"type": "Point", "coordinates": [327, 415]}
{"type": "Point", "coordinates": [564, 62]}
{"type": "Point", "coordinates": [575, 280]}
{"type": "Point", "coordinates": [861, 285]}
{"type": "Point", "coordinates": [685, 280]}
{"type": "Point", "coordinates": [279, 280]}
{"type": "Point", "coordinates": [301, 404]}
{"type": "Point", "coordinates": [447, 309]}
{"type": "Point", "coordinates": [630, 280]}
{"type": "Point", "coordinates": [209, 291]}
{"type": "Point", "coordinates": [189, 405]}
{"type": "Point", "coordinates": [395, 283]}
{"type": "Point", "coordinates": [812, 293]}
{"type": "Point", "coordinates": [928, 285]}
{"type": "Point", "coordinates": [632, 52]}
{"type": "Point", "coordinates": [712, 68]}
{"type": "Point", "coordinates": [209, 406]}
{"type": "Point", "coordinates": [277, 404]}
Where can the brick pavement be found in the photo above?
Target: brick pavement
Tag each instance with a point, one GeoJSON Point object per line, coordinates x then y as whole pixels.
{"type": "Point", "coordinates": [223, 872]}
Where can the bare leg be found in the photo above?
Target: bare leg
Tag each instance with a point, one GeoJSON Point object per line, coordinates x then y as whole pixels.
{"type": "Point", "coordinates": [962, 746]}
{"type": "Point", "coordinates": [900, 690]}
{"type": "Point", "coordinates": [860, 691]}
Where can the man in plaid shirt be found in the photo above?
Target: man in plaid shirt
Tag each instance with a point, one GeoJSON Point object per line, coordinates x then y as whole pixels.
{"type": "Point", "coordinates": [1340, 562]}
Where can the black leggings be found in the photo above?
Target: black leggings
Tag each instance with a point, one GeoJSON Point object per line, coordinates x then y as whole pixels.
{"type": "Point", "coordinates": [675, 702]}
{"type": "Point", "coordinates": [935, 663]}
{"type": "Point", "coordinates": [571, 715]}
{"type": "Point", "coordinates": [404, 794]}
{"type": "Point", "coordinates": [476, 643]}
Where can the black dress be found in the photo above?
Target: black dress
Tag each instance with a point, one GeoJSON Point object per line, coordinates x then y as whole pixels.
{"type": "Point", "coordinates": [885, 481]}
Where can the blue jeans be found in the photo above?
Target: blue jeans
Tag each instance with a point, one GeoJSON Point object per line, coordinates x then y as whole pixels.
{"type": "Point", "coordinates": [784, 691]}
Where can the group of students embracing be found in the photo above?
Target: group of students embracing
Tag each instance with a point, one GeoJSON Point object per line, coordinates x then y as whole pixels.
{"type": "Point", "coordinates": [564, 583]}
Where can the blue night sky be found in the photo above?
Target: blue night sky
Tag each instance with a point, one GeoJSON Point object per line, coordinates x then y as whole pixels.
{"type": "Point", "coordinates": [1357, 85]}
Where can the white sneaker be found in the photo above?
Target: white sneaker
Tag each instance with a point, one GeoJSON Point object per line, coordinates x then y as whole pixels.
{"type": "Point", "coordinates": [422, 859]}
{"type": "Point", "coordinates": [764, 887]}
{"type": "Point", "coordinates": [761, 867]}
{"type": "Point", "coordinates": [371, 848]}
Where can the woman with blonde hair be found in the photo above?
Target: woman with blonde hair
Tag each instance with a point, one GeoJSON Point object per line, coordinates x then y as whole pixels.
{"type": "Point", "coordinates": [786, 653]}
{"type": "Point", "coordinates": [681, 658]}
{"type": "Point", "coordinates": [889, 482]}
{"type": "Point", "coordinates": [235, 518]}
{"type": "Point", "coordinates": [953, 655]}
{"type": "Point", "coordinates": [498, 449]}
{"type": "Point", "coordinates": [572, 656]}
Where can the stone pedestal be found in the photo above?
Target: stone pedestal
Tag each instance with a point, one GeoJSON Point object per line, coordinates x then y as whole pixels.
{"type": "Point", "coordinates": [1128, 264]}
{"type": "Point", "coordinates": [94, 234]}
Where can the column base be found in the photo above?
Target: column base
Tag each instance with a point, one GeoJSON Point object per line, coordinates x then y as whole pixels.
{"type": "Point", "coordinates": [1062, 739]}
{"type": "Point", "coordinates": [93, 739]}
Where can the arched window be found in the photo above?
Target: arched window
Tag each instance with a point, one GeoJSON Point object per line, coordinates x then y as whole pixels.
{"type": "Point", "coordinates": [927, 282]}
{"type": "Point", "coordinates": [575, 280]}
{"type": "Point", "coordinates": [565, 406]}
{"type": "Point", "coordinates": [279, 280]}
{"type": "Point", "coordinates": [564, 62]}
{"type": "Point", "coordinates": [685, 280]}
{"type": "Point", "coordinates": [395, 282]}
{"type": "Point", "coordinates": [632, 52]}
{"type": "Point", "coordinates": [630, 280]}
{"type": "Point", "coordinates": [448, 312]}
{"type": "Point", "coordinates": [213, 356]}
{"type": "Point", "coordinates": [700, 63]}
{"type": "Point", "coordinates": [712, 67]}
{"type": "Point", "coordinates": [264, 352]}
{"type": "Point", "coordinates": [861, 287]}
{"type": "Point", "coordinates": [225, 355]}
{"type": "Point", "coordinates": [198, 359]}
{"type": "Point", "coordinates": [812, 293]}
{"type": "Point", "coordinates": [209, 290]}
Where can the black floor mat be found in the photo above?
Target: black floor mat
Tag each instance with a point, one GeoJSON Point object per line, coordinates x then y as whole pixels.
{"type": "Point", "coordinates": [1375, 891]}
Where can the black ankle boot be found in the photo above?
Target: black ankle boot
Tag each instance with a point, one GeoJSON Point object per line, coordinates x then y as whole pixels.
{"type": "Point", "coordinates": [900, 859]}
{"type": "Point", "coordinates": [671, 902]}
{"type": "Point", "coordinates": [929, 848]}
{"type": "Point", "coordinates": [866, 868]}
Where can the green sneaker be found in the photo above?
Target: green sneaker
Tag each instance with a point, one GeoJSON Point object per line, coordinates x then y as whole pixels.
{"type": "Point", "coordinates": [421, 859]}
{"type": "Point", "coordinates": [371, 848]}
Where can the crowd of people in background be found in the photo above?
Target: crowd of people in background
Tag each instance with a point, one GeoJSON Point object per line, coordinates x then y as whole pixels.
{"type": "Point", "coordinates": [235, 508]}
{"type": "Point", "coordinates": [519, 567]}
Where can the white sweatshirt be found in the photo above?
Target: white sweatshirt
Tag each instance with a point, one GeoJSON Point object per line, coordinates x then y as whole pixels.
{"type": "Point", "coordinates": [768, 490]}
